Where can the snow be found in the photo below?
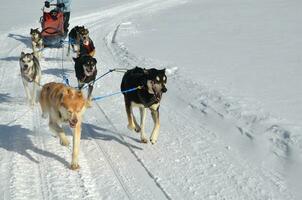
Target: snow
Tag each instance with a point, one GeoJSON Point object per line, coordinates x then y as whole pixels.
{"type": "Point", "coordinates": [230, 121]}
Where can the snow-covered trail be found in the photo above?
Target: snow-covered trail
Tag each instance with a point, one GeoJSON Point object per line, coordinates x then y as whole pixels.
{"type": "Point", "coordinates": [34, 165]}
{"type": "Point", "coordinates": [190, 161]}
{"type": "Point", "coordinates": [189, 142]}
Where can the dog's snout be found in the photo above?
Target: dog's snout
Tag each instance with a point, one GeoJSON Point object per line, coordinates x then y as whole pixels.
{"type": "Point", "coordinates": [25, 66]}
{"type": "Point", "coordinates": [164, 89]}
{"type": "Point", "coordinates": [74, 121]}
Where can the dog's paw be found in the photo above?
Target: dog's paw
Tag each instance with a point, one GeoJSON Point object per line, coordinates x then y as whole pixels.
{"type": "Point", "coordinates": [152, 141]}
{"type": "Point", "coordinates": [44, 115]}
{"type": "Point", "coordinates": [64, 142]}
{"type": "Point", "coordinates": [137, 129]}
{"type": "Point", "coordinates": [131, 127]}
{"type": "Point", "coordinates": [144, 140]}
{"type": "Point", "coordinates": [74, 166]}
{"type": "Point", "coordinates": [88, 104]}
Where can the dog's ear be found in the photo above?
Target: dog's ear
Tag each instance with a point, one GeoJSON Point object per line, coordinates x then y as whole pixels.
{"type": "Point", "coordinates": [22, 54]}
{"type": "Point", "coordinates": [31, 30]}
{"type": "Point", "coordinates": [32, 55]}
{"type": "Point", "coordinates": [94, 60]}
{"type": "Point", "coordinates": [146, 71]}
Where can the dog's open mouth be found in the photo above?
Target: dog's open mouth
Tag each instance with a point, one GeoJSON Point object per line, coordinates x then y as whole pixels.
{"type": "Point", "coordinates": [89, 72]}
{"type": "Point", "coordinates": [72, 124]}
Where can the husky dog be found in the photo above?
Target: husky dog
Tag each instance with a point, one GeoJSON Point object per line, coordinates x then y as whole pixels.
{"type": "Point", "coordinates": [64, 104]}
{"type": "Point", "coordinates": [37, 42]}
{"type": "Point", "coordinates": [30, 73]}
{"type": "Point", "coordinates": [152, 86]}
{"type": "Point", "coordinates": [74, 39]}
{"type": "Point", "coordinates": [85, 68]}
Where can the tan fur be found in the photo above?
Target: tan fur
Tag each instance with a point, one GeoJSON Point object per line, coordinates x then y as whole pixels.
{"type": "Point", "coordinates": [64, 104]}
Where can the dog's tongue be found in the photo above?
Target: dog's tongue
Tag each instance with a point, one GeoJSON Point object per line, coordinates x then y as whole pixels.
{"type": "Point", "coordinates": [86, 42]}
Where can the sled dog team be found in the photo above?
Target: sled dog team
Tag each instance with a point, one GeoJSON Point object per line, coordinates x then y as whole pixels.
{"type": "Point", "coordinates": [65, 104]}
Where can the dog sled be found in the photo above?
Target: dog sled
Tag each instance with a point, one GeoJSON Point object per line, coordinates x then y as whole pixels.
{"type": "Point", "coordinates": [52, 23]}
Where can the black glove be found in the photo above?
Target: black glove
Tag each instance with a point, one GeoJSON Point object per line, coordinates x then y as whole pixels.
{"type": "Point", "coordinates": [61, 5]}
{"type": "Point", "coordinates": [47, 4]}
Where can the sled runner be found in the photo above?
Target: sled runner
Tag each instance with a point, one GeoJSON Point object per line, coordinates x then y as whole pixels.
{"type": "Point", "coordinates": [52, 23]}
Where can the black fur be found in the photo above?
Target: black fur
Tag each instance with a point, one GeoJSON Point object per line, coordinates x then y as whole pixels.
{"type": "Point", "coordinates": [139, 77]}
{"type": "Point", "coordinates": [74, 34]}
{"type": "Point", "coordinates": [80, 73]}
{"type": "Point", "coordinates": [79, 70]}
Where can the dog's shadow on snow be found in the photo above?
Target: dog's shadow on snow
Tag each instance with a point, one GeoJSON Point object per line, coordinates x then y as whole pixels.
{"type": "Point", "coordinates": [10, 58]}
{"type": "Point", "coordinates": [56, 72]}
{"type": "Point", "coordinates": [5, 97]}
{"type": "Point", "coordinates": [96, 132]}
{"type": "Point", "coordinates": [18, 139]}
{"type": "Point", "coordinates": [21, 38]}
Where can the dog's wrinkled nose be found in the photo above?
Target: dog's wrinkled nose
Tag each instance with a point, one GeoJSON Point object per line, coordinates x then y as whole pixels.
{"type": "Point", "coordinates": [164, 89]}
{"type": "Point", "coordinates": [74, 121]}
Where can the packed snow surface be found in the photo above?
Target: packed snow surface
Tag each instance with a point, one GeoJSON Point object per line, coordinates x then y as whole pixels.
{"type": "Point", "coordinates": [230, 121]}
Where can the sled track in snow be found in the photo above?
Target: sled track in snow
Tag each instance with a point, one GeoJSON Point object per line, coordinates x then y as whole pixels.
{"type": "Point", "coordinates": [80, 182]}
{"type": "Point", "coordinates": [133, 152]}
{"type": "Point", "coordinates": [129, 60]}
{"type": "Point", "coordinates": [45, 190]}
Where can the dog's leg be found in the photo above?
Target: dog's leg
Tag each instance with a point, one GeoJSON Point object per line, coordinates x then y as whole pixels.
{"type": "Point", "coordinates": [155, 117]}
{"type": "Point", "coordinates": [90, 88]}
{"type": "Point", "coordinates": [142, 125]}
{"type": "Point", "coordinates": [132, 124]}
{"type": "Point", "coordinates": [27, 92]}
{"type": "Point", "coordinates": [76, 146]}
{"type": "Point", "coordinates": [33, 94]}
{"type": "Point", "coordinates": [40, 54]}
{"type": "Point", "coordinates": [44, 110]}
{"type": "Point", "coordinates": [59, 131]}
{"type": "Point", "coordinates": [80, 85]}
{"type": "Point", "coordinates": [43, 105]}
{"type": "Point", "coordinates": [68, 50]}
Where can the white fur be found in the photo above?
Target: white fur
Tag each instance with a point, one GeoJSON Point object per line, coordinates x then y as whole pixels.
{"type": "Point", "coordinates": [31, 88]}
{"type": "Point", "coordinates": [133, 125]}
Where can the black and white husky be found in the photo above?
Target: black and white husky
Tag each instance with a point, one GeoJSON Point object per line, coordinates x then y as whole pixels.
{"type": "Point", "coordinates": [86, 71]}
{"type": "Point", "coordinates": [152, 83]}
{"type": "Point", "coordinates": [37, 42]}
{"type": "Point", "coordinates": [31, 75]}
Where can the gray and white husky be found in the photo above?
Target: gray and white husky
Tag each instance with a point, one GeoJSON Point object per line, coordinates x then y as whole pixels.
{"type": "Point", "coordinates": [31, 75]}
{"type": "Point", "coordinates": [37, 42]}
